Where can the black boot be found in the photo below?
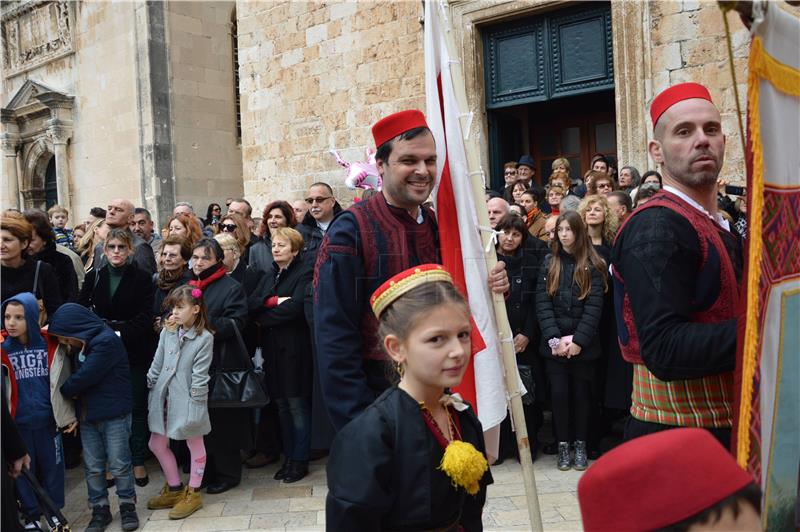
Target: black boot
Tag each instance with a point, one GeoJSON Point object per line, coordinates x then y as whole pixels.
{"type": "Point", "coordinates": [581, 463]}
{"type": "Point", "coordinates": [297, 471]}
{"type": "Point", "coordinates": [101, 518]}
{"type": "Point", "coordinates": [280, 474]}
{"type": "Point", "coordinates": [128, 517]}
{"type": "Point", "coordinates": [564, 458]}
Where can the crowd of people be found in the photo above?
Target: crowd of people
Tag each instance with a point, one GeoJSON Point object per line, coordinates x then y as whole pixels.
{"type": "Point", "coordinates": [143, 324]}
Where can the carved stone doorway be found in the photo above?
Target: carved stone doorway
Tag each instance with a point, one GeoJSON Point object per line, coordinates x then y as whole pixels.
{"type": "Point", "coordinates": [37, 127]}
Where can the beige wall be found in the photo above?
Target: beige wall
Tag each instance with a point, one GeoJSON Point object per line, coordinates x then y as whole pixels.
{"type": "Point", "coordinates": [316, 76]}
{"type": "Point", "coordinates": [104, 151]}
{"type": "Point", "coordinates": [687, 43]}
{"type": "Point", "coordinates": [207, 159]}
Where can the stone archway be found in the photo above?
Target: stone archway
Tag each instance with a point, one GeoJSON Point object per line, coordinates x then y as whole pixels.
{"type": "Point", "coordinates": [36, 126]}
{"type": "Point", "coordinates": [34, 170]}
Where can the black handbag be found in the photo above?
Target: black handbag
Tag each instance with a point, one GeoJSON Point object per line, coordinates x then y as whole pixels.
{"type": "Point", "coordinates": [240, 387]}
{"type": "Point", "coordinates": [526, 375]}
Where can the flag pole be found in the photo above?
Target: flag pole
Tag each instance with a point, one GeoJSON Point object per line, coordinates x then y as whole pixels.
{"type": "Point", "coordinates": [498, 301]}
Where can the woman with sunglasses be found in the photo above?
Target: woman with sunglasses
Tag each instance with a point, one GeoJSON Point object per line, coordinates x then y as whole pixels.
{"type": "Point", "coordinates": [213, 215]}
{"type": "Point", "coordinates": [276, 214]}
{"type": "Point", "coordinates": [122, 295]}
{"type": "Point", "coordinates": [234, 225]}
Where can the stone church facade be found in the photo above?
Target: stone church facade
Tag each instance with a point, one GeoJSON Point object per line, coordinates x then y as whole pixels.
{"type": "Point", "coordinates": [315, 76]}
{"type": "Point", "coordinates": [140, 99]}
{"type": "Point", "coordinates": [119, 99]}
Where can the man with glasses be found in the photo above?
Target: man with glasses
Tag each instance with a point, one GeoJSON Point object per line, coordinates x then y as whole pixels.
{"type": "Point", "coordinates": [322, 207]}
{"type": "Point", "coordinates": [119, 215]}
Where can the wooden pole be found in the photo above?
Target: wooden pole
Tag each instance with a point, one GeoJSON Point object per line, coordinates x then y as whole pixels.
{"type": "Point", "coordinates": [501, 317]}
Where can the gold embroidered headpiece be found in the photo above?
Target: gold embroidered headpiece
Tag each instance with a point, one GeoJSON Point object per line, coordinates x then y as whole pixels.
{"type": "Point", "coordinates": [403, 282]}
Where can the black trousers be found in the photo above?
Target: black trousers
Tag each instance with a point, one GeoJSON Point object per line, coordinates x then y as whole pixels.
{"type": "Point", "coordinates": [231, 431]}
{"type": "Point", "coordinates": [571, 397]}
{"type": "Point", "coordinates": [635, 428]}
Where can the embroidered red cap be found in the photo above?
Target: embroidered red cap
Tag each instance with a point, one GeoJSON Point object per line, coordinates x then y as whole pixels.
{"type": "Point", "coordinates": [395, 124]}
{"type": "Point", "coordinates": [399, 284]}
{"type": "Point", "coordinates": [658, 480]}
{"type": "Point", "coordinates": [675, 94]}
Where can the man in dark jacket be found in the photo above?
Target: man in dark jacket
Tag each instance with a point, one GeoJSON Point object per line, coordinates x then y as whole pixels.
{"type": "Point", "coordinates": [120, 215]}
{"type": "Point", "coordinates": [101, 386]}
{"type": "Point", "coordinates": [322, 207]}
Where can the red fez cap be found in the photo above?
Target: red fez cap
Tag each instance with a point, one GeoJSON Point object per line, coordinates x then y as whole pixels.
{"type": "Point", "coordinates": [658, 480]}
{"type": "Point", "coordinates": [675, 94]}
{"type": "Point", "coordinates": [389, 127]}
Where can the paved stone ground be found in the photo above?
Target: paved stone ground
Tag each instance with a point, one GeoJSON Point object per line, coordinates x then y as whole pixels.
{"type": "Point", "coordinates": [261, 503]}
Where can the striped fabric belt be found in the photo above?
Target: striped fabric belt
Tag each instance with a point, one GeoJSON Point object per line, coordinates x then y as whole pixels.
{"type": "Point", "coordinates": [706, 402]}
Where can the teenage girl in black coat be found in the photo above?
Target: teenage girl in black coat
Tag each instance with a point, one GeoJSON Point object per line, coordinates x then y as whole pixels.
{"type": "Point", "coordinates": [569, 304]}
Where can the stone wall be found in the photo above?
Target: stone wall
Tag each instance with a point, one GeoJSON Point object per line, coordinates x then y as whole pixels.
{"type": "Point", "coordinates": [104, 150]}
{"type": "Point", "coordinates": [207, 158]}
{"type": "Point", "coordinates": [316, 76]}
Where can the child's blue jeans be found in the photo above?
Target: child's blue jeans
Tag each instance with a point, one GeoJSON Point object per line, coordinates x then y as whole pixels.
{"type": "Point", "coordinates": [107, 442]}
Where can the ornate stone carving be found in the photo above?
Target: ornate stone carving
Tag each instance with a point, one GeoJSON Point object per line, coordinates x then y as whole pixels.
{"type": "Point", "coordinates": [35, 33]}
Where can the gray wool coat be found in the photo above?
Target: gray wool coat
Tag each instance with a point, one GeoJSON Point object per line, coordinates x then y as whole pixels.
{"type": "Point", "coordinates": [178, 382]}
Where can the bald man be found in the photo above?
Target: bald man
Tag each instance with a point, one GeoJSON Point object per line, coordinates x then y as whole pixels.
{"type": "Point", "coordinates": [119, 215]}
{"type": "Point", "coordinates": [497, 207]}
{"type": "Point", "coordinates": [679, 267]}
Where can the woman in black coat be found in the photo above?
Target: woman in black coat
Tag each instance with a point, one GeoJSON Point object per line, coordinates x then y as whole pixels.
{"type": "Point", "coordinates": [122, 295]}
{"type": "Point", "coordinates": [20, 273]}
{"type": "Point", "coordinates": [43, 247]}
{"type": "Point", "coordinates": [522, 255]}
{"type": "Point", "coordinates": [226, 305]}
{"type": "Point", "coordinates": [569, 304]}
{"type": "Point", "coordinates": [287, 347]}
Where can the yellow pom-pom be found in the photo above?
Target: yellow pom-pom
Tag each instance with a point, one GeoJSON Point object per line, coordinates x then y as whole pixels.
{"type": "Point", "coordinates": [464, 464]}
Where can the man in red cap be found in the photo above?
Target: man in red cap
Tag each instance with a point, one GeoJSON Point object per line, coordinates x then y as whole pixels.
{"type": "Point", "coordinates": [678, 479]}
{"type": "Point", "coordinates": [678, 266]}
{"type": "Point", "coordinates": [363, 247]}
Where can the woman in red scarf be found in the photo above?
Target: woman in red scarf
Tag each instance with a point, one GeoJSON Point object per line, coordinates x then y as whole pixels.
{"type": "Point", "coordinates": [227, 309]}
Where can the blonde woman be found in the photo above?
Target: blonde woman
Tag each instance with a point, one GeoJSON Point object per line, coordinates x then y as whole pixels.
{"type": "Point", "coordinates": [232, 256]}
{"type": "Point", "coordinates": [96, 233]}
{"type": "Point", "coordinates": [601, 221]}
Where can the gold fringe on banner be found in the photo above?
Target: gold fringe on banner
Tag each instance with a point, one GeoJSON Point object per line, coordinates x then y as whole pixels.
{"type": "Point", "coordinates": [787, 80]}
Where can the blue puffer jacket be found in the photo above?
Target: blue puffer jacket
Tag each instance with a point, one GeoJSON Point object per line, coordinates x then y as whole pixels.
{"type": "Point", "coordinates": [102, 381]}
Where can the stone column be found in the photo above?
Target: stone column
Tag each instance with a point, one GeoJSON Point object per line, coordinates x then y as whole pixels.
{"type": "Point", "coordinates": [59, 131]}
{"type": "Point", "coordinates": [10, 139]}
{"type": "Point", "coordinates": [628, 23]}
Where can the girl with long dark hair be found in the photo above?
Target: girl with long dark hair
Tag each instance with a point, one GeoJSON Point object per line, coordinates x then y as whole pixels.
{"type": "Point", "coordinates": [569, 303]}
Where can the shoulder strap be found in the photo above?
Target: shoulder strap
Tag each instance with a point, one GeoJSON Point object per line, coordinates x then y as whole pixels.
{"type": "Point", "coordinates": [36, 278]}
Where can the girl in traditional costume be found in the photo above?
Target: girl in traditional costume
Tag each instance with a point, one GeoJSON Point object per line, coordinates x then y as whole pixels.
{"type": "Point", "coordinates": [415, 458]}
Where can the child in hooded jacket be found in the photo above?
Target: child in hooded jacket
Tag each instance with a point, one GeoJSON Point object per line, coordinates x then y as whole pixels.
{"type": "Point", "coordinates": [101, 386]}
{"type": "Point", "coordinates": [33, 365]}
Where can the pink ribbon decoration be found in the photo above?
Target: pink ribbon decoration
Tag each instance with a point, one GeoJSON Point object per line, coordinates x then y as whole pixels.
{"type": "Point", "coordinates": [361, 174]}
